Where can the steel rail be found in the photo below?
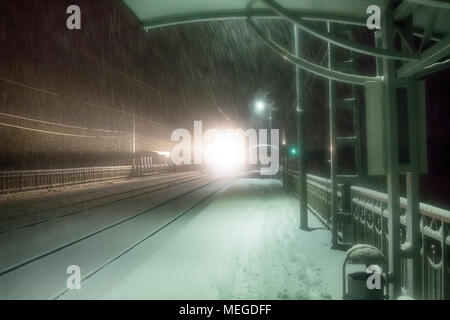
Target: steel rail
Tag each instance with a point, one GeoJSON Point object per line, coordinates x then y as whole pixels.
{"type": "Point", "coordinates": [148, 236]}
{"type": "Point", "coordinates": [136, 192]}
{"type": "Point", "coordinates": [98, 231]}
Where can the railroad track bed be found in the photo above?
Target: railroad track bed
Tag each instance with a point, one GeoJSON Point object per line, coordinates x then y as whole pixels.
{"type": "Point", "coordinates": [17, 214]}
{"type": "Point", "coordinates": [34, 259]}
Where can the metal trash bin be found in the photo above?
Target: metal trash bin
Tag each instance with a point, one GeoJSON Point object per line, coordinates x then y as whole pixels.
{"type": "Point", "coordinates": [357, 287]}
{"type": "Point", "coordinates": [355, 284]}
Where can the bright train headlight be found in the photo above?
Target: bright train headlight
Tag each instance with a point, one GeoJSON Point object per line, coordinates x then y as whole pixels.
{"type": "Point", "coordinates": [223, 152]}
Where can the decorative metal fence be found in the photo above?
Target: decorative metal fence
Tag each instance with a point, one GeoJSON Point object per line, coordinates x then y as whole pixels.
{"type": "Point", "coordinates": [370, 218]}
{"type": "Point", "coordinates": [319, 198]}
{"type": "Point", "coordinates": [369, 225]}
{"type": "Point", "coordinates": [27, 180]}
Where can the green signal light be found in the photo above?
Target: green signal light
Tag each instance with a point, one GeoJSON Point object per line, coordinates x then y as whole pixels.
{"type": "Point", "coordinates": [293, 151]}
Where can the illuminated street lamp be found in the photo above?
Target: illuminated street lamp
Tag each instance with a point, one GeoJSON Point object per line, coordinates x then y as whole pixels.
{"type": "Point", "coordinates": [260, 106]}
{"type": "Point", "coordinates": [266, 109]}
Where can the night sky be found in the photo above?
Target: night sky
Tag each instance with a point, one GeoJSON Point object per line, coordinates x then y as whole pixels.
{"type": "Point", "coordinates": [95, 77]}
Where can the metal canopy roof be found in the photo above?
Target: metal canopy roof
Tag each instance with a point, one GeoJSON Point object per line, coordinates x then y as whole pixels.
{"type": "Point", "coordinates": [159, 13]}
{"type": "Point", "coordinates": [156, 13]}
{"type": "Point", "coordinates": [429, 19]}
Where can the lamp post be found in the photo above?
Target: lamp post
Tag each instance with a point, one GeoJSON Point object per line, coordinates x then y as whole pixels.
{"type": "Point", "coordinates": [302, 177]}
{"type": "Point", "coordinates": [262, 107]}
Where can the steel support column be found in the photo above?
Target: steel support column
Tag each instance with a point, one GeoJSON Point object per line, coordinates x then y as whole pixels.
{"type": "Point", "coordinates": [133, 142]}
{"type": "Point", "coordinates": [283, 149]}
{"type": "Point", "coordinates": [413, 235]}
{"type": "Point", "coordinates": [392, 148]}
{"type": "Point", "coordinates": [332, 106]}
{"type": "Point", "coordinates": [300, 137]}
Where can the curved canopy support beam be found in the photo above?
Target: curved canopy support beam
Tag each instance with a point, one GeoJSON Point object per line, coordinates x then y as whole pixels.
{"type": "Point", "coordinates": [308, 66]}
{"type": "Point", "coordinates": [431, 4]}
{"type": "Point", "coordinates": [239, 14]}
{"type": "Point", "coordinates": [375, 52]}
{"type": "Point", "coordinates": [431, 55]}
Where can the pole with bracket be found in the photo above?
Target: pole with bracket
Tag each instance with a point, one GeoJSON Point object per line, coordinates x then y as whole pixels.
{"type": "Point", "coordinates": [413, 235]}
{"type": "Point", "coordinates": [301, 143]}
{"type": "Point", "coordinates": [392, 148]}
{"type": "Point", "coordinates": [332, 106]}
{"type": "Point", "coordinates": [133, 143]}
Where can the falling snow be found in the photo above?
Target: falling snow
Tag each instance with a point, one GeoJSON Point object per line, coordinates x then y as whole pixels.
{"type": "Point", "coordinates": [245, 244]}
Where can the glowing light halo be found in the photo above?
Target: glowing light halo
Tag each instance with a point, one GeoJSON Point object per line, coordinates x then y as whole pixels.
{"type": "Point", "coordinates": [259, 106]}
{"type": "Point", "coordinates": [223, 152]}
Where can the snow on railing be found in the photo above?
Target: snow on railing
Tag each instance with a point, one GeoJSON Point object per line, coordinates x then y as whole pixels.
{"type": "Point", "coordinates": [370, 217]}
{"type": "Point", "coordinates": [425, 209]}
{"type": "Point", "coordinates": [370, 226]}
{"type": "Point", "coordinates": [27, 180]}
{"type": "Point", "coordinates": [319, 196]}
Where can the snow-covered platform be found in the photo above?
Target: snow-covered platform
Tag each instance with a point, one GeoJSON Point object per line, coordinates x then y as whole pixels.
{"type": "Point", "coordinates": [243, 243]}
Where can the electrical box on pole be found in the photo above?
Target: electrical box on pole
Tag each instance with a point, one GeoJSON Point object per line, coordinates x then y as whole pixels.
{"type": "Point", "coordinates": [376, 127]}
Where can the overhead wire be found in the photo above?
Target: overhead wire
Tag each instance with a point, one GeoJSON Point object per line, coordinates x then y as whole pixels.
{"type": "Point", "coordinates": [53, 132]}
{"type": "Point", "coordinates": [53, 123]}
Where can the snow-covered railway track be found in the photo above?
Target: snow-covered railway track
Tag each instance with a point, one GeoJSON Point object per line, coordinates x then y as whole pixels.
{"type": "Point", "coordinates": [35, 266]}
{"type": "Point", "coordinates": [63, 210]}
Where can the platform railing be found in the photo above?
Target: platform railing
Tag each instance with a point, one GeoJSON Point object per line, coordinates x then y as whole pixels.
{"type": "Point", "coordinates": [27, 180]}
{"type": "Point", "coordinates": [369, 225]}
{"type": "Point", "coordinates": [370, 218]}
{"type": "Point", "coordinates": [319, 197]}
